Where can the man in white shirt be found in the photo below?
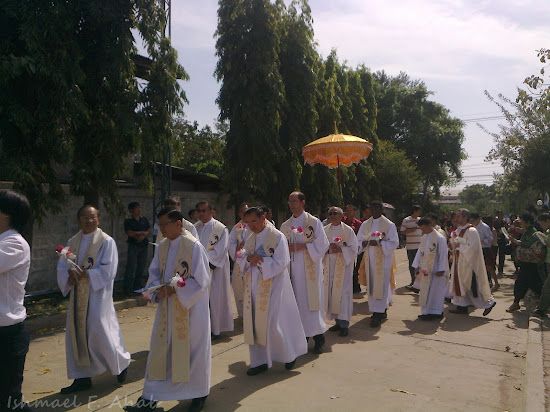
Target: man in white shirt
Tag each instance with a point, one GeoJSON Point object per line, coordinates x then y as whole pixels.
{"type": "Point", "coordinates": [214, 236]}
{"type": "Point", "coordinates": [237, 236]}
{"type": "Point", "coordinates": [93, 341]}
{"type": "Point", "coordinates": [15, 260]}
{"type": "Point", "coordinates": [409, 228]}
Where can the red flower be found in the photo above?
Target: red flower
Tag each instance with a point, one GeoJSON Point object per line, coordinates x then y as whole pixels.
{"type": "Point", "coordinates": [300, 230]}
{"type": "Point", "coordinates": [337, 239]}
{"type": "Point", "coordinates": [181, 282]}
{"type": "Point", "coordinates": [59, 248]}
{"type": "Point", "coordinates": [292, 227]}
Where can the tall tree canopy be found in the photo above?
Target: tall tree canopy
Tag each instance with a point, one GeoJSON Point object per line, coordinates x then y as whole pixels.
{"type": "Point", "coordinates": [70, 99]}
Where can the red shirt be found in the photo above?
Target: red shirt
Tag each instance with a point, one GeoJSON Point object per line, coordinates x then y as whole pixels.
{"type": "Point", "coordinates": [355, 223]}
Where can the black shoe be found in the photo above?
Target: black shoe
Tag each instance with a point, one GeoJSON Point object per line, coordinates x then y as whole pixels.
{"type": "Point", "coordinates": [290, 365]}
{"type": "Point", "coordinates": [334, 328]}
{"type": "Point", "coordinates": [357, 289]}
{"type": "Point", "coordinates": [375, 321]}
{"type": "Point", "coordinates": [424, 317]}
{"type": "Point", "coordinates": [344, 332]}
{"type": "Point", "coordinates": [489, 309]}
{"type": "Point", "coordinates": [462, 310]}
{"type": "Point", "coordinates": [121, 377]}
{"type": "Point", "coordinates": [214, 337]}
{"type": "Point", "coordinates": [256, 370]}
{"type": "Point", "coordinates": [409, 287]}
{"type": "Point", "coordinates": [319, 344]}
{"type": "Point", "coordinates": [384, 315]}
{"type": "Point", "coordinates": [447, 300]}
{"type": "Point", "coordinates": [415, 290]}
{"type": "Point", "coordinates": [197, 404]}
{"type": "Point", "coordinates": [538, 313]}
{"type": "Point", "coordinates": [80, 384]}
{"type": "Point", "coordinates": [437, 317]}
{"type": "Point", "coordinates": [142, 405]}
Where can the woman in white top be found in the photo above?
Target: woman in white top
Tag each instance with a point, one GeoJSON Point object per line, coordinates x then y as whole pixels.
{"type": "Point", "coordinates": [15, 260]}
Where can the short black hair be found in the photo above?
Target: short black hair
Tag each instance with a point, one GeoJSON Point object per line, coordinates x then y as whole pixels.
{"type": "Point", "coordinates": [432, 216]}
{"type": "Point", "coordinates": [350, 205]}
{"type": "Point", "coordinates": [544, 217]}
{"type": "Point", "coordinates": [191, 212]}
{"type": "Point", "coordinates": [205, 202]}
{"type": "Point", "coordinates": [172, 213]}
{"type": "Point", "coordinates": [376, 203]}
{"type": "Point", "coordinates": [16, 206]}
{"type": "Point", "coordinates": [170, 202]}
{"type": "Point", "coordinates": [133, 205]}
{"type": "Point", "coordinates": [416, 207]}
{"type": "Point", "coordinates": [527, 217]}
{"type": "Point", "coordinates": [79, 212]}
{"type": "Point", "coordinates": [474, 215]}
{"type": "Point", "coordinates": [464, 212]}
{"type": "Point", "coordinates": [300, 195]}
{"type": "Point", "coordinates": [258, 211]}
{"type": "Point", "coordinates": [425, 221]}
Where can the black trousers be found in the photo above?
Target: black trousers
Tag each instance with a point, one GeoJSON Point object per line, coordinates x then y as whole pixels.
{"type": "Point", "coordinates": [501, 256]}
{"type": "Point", "coordinates": [14, 345]}
{"type": "Point", "coordinates": [137, 256]}
{"type": "Point", "coordinates": [411, 254]}
{"type": "Point", "coordinates": [528, 278]}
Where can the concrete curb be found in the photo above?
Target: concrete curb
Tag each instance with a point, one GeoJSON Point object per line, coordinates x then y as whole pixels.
{"type": "Point", "coordinates": [534, 373]}
{"type": "Point", "coordinates": [43, 324]}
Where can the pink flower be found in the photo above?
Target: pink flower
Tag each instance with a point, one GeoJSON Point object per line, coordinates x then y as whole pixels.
{"type": "Point", "coordinates": [376, 234]}
{"type": "Point", "coordinates": [239, 225]}
{"type": "Point", "coordinates": [292, 228]}
{"type": "Point", "coordinates": [425, 272]}
{"type": "Point", "coordinates": [181, 282]}
{"type": "Point", "coordinates": [239, 254]}
{"type": "Point", "coordinates": [59, 248]}
{"type": "Point", "coordinates": [337, 239]}
{"type": "Point", "coordinates": [244, 226]}
{"type": "Point", "coordinates": [300, 230]}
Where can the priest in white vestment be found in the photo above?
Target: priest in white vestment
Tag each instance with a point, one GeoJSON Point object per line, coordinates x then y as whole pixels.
{"type": "Point", "coordinates": [379, 239]}
{"type": "Point", "coordinates": [308, 244]}
{"type": "Point", "coordinates": [338, 271]}
{"type": "Point", "coordinates": [214, 236]}
{"type": "Point", "coordinates": [93, 341]}
{"type": "Point", "coordinates": [431, 266]}
{"type": "Point", "coordinates": [272, 326]}
{"type": "Point", "coordinates": [469, 282]}
{"type": "Point", "coordinates": [179, 361]}
{"type": "Point", "coordinates": [237, 236]}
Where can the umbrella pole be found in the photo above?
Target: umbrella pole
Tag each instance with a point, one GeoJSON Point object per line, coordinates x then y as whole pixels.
{"type": "Point", "coordinates": [340, 180]}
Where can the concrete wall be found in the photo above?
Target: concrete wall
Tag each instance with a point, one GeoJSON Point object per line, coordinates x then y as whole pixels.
{"type": "Point", "coordinates": [59, 228]}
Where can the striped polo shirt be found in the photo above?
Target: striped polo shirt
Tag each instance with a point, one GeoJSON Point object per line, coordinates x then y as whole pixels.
{"type": "Point", "coordinates": [412, 238]}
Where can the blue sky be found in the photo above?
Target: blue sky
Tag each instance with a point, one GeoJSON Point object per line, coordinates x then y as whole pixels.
{"type": "Point", "coordinates": [459, 48]}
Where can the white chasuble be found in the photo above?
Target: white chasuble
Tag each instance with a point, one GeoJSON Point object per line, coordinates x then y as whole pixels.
{"type": "Point", "coordinates": [430, 259]}
{"type": "Point", "coordinates": [214, 236]}
{"type": "Point", "coordinates": [180, 342]}
{"type": "Point", "coordinates": [338, 272]}
{"type": "Point", "coordinates": [375, 271]}
{"type": "Point", "coordinates": [93, 340]}
{"type": "Point", "coordinates": [284, 333]}
{"type": "Point", "coordinates": [169, 325]}
{"type": "Point", "coordinates": [306, 270]}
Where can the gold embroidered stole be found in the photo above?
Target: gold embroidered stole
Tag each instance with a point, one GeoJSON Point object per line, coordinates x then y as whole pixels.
{"type": "Point", "coordinates": [80, 294]}
{"type": "Point", "coordinates": [378, 275]}
{"type": "Point", "coordinates": [310, 268]}
{"type": "Point", "coordinates": [179, 322]}
{"type": "Point", "coordinates": [255, 331]}
{"type": "Point", "coordinates": [427, 259]}
{"type": "Point", "coordinates": [215, 235]}
{"type": "Point", "coordinates": [237, 278]}
{"type": "Point", "coordinates": [339, 271]}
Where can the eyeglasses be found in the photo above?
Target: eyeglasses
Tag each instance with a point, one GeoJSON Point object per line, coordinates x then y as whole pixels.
{"type": "Point", "coordinates": [333, 213]}
{"type": "Point", "coordinates": [203, 210]}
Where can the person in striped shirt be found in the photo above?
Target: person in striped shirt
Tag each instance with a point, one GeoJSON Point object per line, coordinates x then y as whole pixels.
{"type": "Point", "coordinates": [412, 232]}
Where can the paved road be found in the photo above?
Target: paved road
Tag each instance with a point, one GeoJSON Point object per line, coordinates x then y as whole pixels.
{"type": "Point", "coordinates": [472, 363]}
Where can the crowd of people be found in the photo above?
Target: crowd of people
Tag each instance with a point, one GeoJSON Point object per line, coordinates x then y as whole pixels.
{"type": "Point", "coordinates": [286, 283]}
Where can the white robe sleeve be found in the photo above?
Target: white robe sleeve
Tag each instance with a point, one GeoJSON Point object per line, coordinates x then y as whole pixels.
{"type": "Point", "coordinates": [349, 252]}
{"type": "Point", "coordinates": [361, 238]}
{"type": "Point", "coordinates": [441, 263]}
{"type": "Point", "coordinates": [63, 276]}
{"type": "Point", "coordinates": [275, 265]}
{"type": "Point", "coordinates": [194, 232]}
{"type": "Point", "coordinates": [104, 273]}
{"type": "Point", "coordinates": [233, 243]}
{"type": "Point", "coordinates": [199, 280]}
{"type": "Point", "coordinates": [12, 255]}
{"type": "Point", "coordinates": [416, 262]}
{"type": "Point", "coordinates": [319, 246]}
{"type": "Point", "coordinates": [154, 276]}
{"type": "Point", "coordinates": [217, 255]}
{"type": "Point", "coordinates": [391, 242]}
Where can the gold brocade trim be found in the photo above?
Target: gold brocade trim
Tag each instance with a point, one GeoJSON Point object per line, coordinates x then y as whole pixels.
{"type": "Point", "coordinates": [339, 272]}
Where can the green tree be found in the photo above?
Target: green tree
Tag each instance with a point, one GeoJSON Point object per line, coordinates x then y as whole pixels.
{"type": "Point", "coordinates": [431, 137]}
{"type": "Point", "coordinates": [252, 94]}
{"type": "Point", "coordinates": [70, 100]}
{"type": "Point", "coordinates": [200, 151]}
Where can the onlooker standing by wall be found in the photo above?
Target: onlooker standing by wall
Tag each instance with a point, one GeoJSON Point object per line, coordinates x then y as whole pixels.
{"type": "Point", "coordinates": [15, 261]}
{"type": "Point", "coordinates": [138, 230]}
{"type": "Point", "coordinates": [412, 232]}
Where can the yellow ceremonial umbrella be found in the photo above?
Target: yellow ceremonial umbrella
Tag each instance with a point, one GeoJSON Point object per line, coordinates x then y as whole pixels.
{"type": "Point", "coordinates": [335, 150]}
